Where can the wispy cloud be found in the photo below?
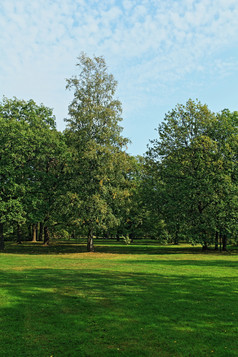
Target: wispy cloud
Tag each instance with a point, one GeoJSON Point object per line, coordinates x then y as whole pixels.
{"type": "Point", "coordinates": [149, 45]}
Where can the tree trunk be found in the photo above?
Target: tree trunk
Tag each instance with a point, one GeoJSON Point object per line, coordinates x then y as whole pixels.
{"type": "Point", "coordinates": [90, 245]}
{"type": "Point", "coordinates": [37, 231]}
{"type": "Point", "coordinates": [216, 240]}
{"type": "Point", "coordinates": [118, 237]}
{"type": "Point", "coordinates": [220, 236]}
{"type": "Point", "coordinates": [41, 232]}
{"type": "Point", "coordinates": [29, 232]}
{"type": "Point", "coordinates": [224, 242]}
{"type": "Point", "coordinates": [176, 239]}
{"type": "Point", "coordinates": [46, 236]}
{"type": "Point", "coordinates": [131, 236]}
{"type": "Point", "coordinates": [2, 245]}
{"type": "Point", "coordinates": [34, 233]}
{"type": "Point", "coordinates": [18, 234]}
{"type": "Point", "coordinates": [205, 246]}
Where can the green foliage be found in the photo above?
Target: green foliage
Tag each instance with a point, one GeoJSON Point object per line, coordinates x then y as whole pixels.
{"type": "Point", "coordinates": [192, 171]}
{"type": "Point", "coordinates": [32, 162]}
{"type": "Point", "coordinates": [83, 182]}
{"type": "Point", "coordinates": [94, 136]}
{"type": "Point", "coordinates": [126, 239]}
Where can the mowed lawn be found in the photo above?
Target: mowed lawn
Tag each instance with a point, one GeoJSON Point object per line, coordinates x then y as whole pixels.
{"type": "Point", "coordinates": [137, 300]}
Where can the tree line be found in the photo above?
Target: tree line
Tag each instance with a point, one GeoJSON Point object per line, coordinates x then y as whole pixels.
{"type": "Point", "coordinates": [82, 182]}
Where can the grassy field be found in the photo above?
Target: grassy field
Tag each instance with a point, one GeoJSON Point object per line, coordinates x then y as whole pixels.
{"type": "Point", "coordinates": [133, 301]}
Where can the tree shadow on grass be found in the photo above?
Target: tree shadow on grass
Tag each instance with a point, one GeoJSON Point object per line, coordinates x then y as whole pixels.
{"type": "Point", "coordinates": [190, 263]}
{"type": "Point", "coordinates": [39, 248]}
{"type": "Point", "coordinates": [69, 312]}
{"type": "Point", "coordinates": [110, 247]}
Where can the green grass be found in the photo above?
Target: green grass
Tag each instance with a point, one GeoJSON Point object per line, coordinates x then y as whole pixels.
{"type": "Point", "coordinates": [138, 300]}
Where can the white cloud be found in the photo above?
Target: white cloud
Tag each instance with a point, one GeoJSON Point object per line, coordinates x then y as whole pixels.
{"type": "Point", "coordinates": [36, 29]}
{"type": "Point", "coordinates": [150, 45]}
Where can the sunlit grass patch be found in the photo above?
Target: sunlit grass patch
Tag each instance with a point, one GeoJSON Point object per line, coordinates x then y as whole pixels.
{"type": "Point", "coordinates": [109, 304]}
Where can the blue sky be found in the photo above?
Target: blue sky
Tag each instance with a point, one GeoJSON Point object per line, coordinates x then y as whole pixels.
{"type": "Point", "coordinates": [162, 52]}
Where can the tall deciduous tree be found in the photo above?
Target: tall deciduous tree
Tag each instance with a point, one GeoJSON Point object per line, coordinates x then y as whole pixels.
{"type": "Point", "coordinates": [12, 158]}
{"type": "Point", "coordinates": [195, 156]}
{"type": "Point", "coordinates": [94, 134]}
{"type": "Point", "coordinates": [32, 156]}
